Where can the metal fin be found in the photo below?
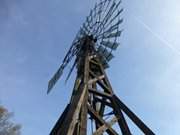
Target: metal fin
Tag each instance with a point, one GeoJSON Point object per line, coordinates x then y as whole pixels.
{"type": "Point", "coordinates": [103, 61]}
{"type": "Point", "coordinates": [110, 45]}
{"type": "Point", "coordinates": [114, 27]}
{"type": "Point", "coordinates": [54, 79]}
{"type": "Point", "coordinates": [111, 35]}
{"type": "Point", "coordinates": [71, 70]}
{"type": "Point", "coordinates": [105, 53]}
{"type": "Point", "coordinates": [71, 53]}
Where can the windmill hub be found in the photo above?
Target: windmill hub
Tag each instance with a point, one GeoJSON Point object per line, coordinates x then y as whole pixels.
{"type": "Point", "coordinates": [87, 44]}
{"type": "Point", "coordinates": [91, 37]}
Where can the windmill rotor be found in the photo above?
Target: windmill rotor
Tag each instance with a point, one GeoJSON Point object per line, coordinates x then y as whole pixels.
{"type": "Point", "coordinates": [103, 24]}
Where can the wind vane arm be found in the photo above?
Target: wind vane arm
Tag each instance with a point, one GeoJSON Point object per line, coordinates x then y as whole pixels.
{"type": "Point", "coordinates": [72, 51]}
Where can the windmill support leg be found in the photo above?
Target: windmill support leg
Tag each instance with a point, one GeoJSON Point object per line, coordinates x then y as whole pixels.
{"type": "Point", "coordinates": [70, 121]}
{"type": "Point", "coordinates": [133, 117]}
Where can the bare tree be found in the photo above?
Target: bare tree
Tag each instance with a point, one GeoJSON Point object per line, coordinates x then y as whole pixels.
{"type": "Point", "coordinates": [6, 126]}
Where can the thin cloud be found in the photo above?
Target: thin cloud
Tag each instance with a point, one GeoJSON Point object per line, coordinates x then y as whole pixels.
{"type": "Point", "coordinates": [158, 36]}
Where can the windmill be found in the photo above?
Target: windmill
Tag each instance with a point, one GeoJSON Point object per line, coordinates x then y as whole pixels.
{"type": "Point", "coordinates": [93, 100]}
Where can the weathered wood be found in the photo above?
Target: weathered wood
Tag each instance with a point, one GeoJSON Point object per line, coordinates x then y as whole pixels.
{"type": "Point", "coordinates": [94, 62]}
{"type": "Point", "coordinates": [104, 127]}
{"type": "Point", "coordinates": [105, 102]}
{"type": "Point", "coordinates": [146, 130]}
{"type": "Point", "coordinates": [58, 125]}
{"type": "Point", "coordinates": [99, 93]}
{"type": "Point", "coordinates": [83, 116]}
{"type": "Point", "coordinates": [98, 118]}
{"type": "Point", "coordinates": [83, 113]}
{"type": "Point", "coordinates": [91, 81]}
{"type": "Point", "coordinates": [73, 115]}
{"type": "Point", "coordinates": [121, 120]}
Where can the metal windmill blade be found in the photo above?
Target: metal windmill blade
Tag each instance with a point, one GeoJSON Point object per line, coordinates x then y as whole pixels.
{"type": "Point", "coordinates": [103, 25]}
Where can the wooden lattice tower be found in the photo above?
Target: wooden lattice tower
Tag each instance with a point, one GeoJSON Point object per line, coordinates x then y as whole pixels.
{"type": "Point", "coordinates": [93, 98]}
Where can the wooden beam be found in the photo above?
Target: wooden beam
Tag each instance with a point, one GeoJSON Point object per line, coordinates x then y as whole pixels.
{"type": "Point", "coordinates": [99, 93]}
{"type": "Point", "coordinates": [58, 125]}
{"type": "Point", "coordinates": [91, 81]}
{"type": "Point", "coordinates": [121, 120]}
{"type": "Point", "coordinates": [133, 117]}
{"type": "Point", "coordinates": [104, 127]}
{"type": "Point", "coordinates": [83, 116]}
{"type": "Point", "coordinates": [98, 118]}
{"type": "Point", "coordinates": [105, 102]}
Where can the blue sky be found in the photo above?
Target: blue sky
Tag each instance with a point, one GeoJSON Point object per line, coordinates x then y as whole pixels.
{"type": "Point", "coordinates": [145, 74]}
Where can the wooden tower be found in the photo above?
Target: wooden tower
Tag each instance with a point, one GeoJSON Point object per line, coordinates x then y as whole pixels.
{"type": "Point", "coordinates": [93, 98]}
